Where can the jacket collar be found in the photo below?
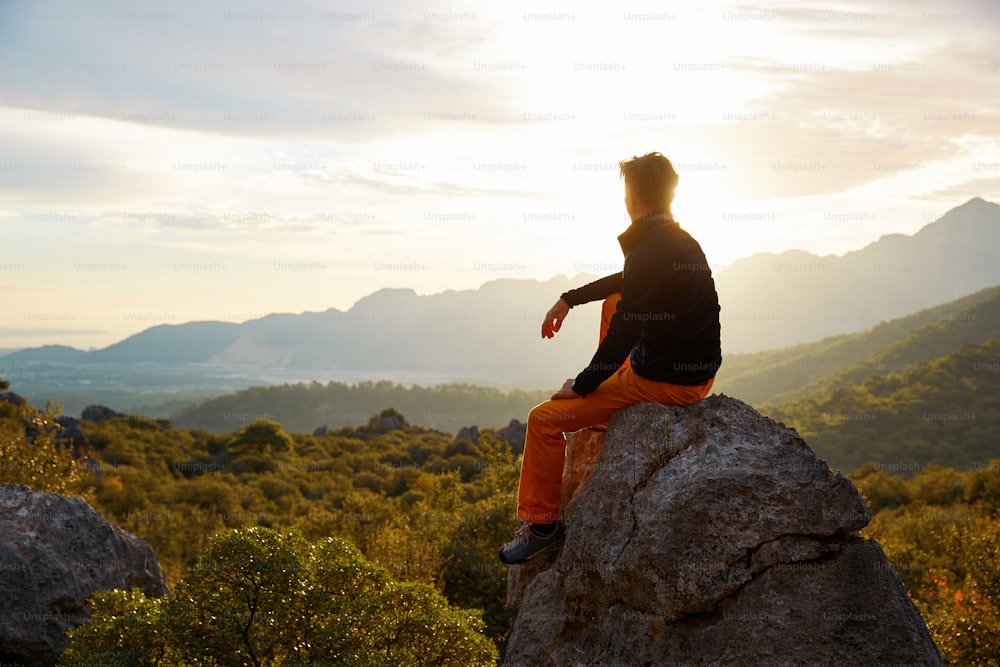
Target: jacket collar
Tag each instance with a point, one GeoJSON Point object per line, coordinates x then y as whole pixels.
{"type": "Point", "coordinates": [640, 227]}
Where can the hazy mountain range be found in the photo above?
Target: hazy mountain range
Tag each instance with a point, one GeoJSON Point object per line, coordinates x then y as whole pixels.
{"type": "Point", "coordinates": [772, 301]}
{"type": "Point", "coordinates": [491, 335]}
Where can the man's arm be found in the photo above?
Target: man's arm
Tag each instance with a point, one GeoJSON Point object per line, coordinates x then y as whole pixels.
{"type": "Point", "coordinates": [638, 295]}
{"type": "Point", "coordinates": [554, 318]}
{"type": "Point", "coordinates": [601, 288]}
{"type": "Point", "coordinates": [611, 353]}
{"type": "Point", "coordinates": [598, 290]}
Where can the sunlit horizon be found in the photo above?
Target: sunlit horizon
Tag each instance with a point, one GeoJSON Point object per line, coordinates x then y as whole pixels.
{"type": "Point", "coordinates": [190, 162]}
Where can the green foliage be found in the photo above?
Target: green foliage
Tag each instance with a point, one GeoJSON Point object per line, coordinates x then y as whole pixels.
{"type": "Point", "coordinates": [397, 523]}
{"type": "Point", "coordinates": [262, 597]}
{"type": "Point", "coordinates": [301, 408]}
{"type": "Point", "coordinates": [783, 376]}
{"type": "Point", "coordinates": [262, 437]}
{"type": "Point", "coordinates": [126, 628]}
{"type": "Point", "coordinates": [946, 412]}
{"type": "Point", "coordinates": [40, 462]}
{"type": "Point", "coordinates": [941, 533]}
{"type": "Point", "coordinates": [423, 506]}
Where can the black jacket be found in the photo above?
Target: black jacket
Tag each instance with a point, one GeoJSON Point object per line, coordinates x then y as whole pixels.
{"type": "Point", "coordinates": [668, 316]}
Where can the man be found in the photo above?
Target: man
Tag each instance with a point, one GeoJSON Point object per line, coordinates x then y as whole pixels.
{"type": "Point", "coordinates": [666, 326]}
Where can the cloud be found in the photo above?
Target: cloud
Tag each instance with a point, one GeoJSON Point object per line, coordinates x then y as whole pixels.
{"type": "Point", "coordinates": [34, 332]}
{"type": "Point", "coordinates": [303, 69]}
{"type": "Point", "coordinates": [401, 186]}
{"type": "Point", "coordinates": [265, 131]}
{"type": "Point", "coordinates": [882, 90]}
{"type": "Point", "coordinates": [968, 189]}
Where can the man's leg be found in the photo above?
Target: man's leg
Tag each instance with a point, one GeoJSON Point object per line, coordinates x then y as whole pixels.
{"type": "Point", "coordinates": [608, 310]}
{"type": "Point", "coordinates": [539, 491]}
{"type": "Point", "coordinates": [540, 488]}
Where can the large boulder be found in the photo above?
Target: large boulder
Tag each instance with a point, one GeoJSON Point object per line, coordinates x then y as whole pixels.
{"type": "Point", "coordinates": [711, 535]}
{"type": "Point", "coordinates": [55, 552]}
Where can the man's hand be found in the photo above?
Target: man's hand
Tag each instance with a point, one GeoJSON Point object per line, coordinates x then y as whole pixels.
{"type": "Point", "coordinates": [566, 391]}
{"type": "Point", "coordinates": [553, 318]}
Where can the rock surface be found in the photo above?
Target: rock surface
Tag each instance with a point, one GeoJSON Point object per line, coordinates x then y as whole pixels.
{"type": "Point", "coordinates": [55, 552]}
{"type": "Point", "coordinates": [513, 434]}
{"type": "Point", "coordinates": [98, 413]}
{"type": "Point", "coordinates": [468, 433]}
{"type": "Point", "coordinates": [72, 436]}
{"type": "Point", "coordinates": [711, 535]}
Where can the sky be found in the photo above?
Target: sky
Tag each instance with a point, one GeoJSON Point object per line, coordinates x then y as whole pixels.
{"type": "Point", "coordinates": [170, 162]}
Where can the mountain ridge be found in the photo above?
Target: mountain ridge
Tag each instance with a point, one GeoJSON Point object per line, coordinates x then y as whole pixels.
{"type": "Point", "coordinates": [490, 334]}
{"type": "Point", "coordinates": [786, 373]}
{"type": "Point", "coordinates": [796, 296]}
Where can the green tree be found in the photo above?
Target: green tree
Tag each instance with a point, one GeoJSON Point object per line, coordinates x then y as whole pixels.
{"type": "Point", "coordinates": [126, 628]}
{"type": "Point", "coordinates": [40, 462]}
{"type": "Point", "coordinates": [262, 597]}
{"type": "Point", "coordinates": [261, 438]}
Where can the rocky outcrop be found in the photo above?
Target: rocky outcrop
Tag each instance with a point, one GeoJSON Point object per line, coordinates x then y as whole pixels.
{"type": "Point", "coordinates": [72, 436]}
{"type": "Point", "coordinates": [513, 434]}
{"type": "Point", "coordinates": [711, 535]}
{"type": "Point", "coordinates": [55, 552]}
{"type": "Point", "coordinates": [14, 399]}
{"type": "Point", "coordinates": [468, 433]}
{"type": "Point", "coordinates": [98, 413]}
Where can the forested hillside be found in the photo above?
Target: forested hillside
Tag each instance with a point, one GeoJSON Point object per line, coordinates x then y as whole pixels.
{"type": "Point", "coordinates": [785, 374]}
{"type": "Point", "coordinates": [945, 411]}
{"type": "Point", "coordinates": [302, 408]}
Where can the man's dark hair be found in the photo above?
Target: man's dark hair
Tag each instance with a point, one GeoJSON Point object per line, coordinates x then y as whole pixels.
{"type": "Point", "coordinates": [651, 179]}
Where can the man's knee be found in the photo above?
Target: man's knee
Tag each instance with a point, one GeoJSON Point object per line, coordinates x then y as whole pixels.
{"type": "Point", "coordinates": [543, 418]}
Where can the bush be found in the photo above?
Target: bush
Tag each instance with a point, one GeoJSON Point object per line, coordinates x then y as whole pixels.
{"type": "Point", "coordinates": [41, 462]}
{"type": "Point", "coordinates": [262, 597]}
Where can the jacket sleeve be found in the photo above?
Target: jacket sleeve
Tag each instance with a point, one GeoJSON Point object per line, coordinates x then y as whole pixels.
{"type": "Point", "coordinates": [638, 295]}
{"type": "Point", "coordinates": [601, 288]}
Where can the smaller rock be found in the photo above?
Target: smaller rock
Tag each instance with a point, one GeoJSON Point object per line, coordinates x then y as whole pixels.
{"type": "Point", "coordinates": [513, 434]}
{"type": "Point", "coordinates": [388, 420]}
{"type": "Point", "coordinates": [12, 398]}
{"type": "Point", "coordinates": [468, 433]}
{"type": "Point", "coordinates": [72, 436]}
{"type": "Point", "coordinates": [98, 413]}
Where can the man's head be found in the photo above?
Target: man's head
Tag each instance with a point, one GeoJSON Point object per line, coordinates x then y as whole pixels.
{"type": "Point", "coordinates": [650, 182]}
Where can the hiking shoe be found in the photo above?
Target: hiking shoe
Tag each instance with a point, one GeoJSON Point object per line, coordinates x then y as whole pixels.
{"type": "Point", "coordinates": [527, 544]}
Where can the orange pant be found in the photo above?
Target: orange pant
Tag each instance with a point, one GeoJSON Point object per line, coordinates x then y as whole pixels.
{"type": "Point", "coordinates": [539, 490]}
{"type": "Point", "coordinates": [608, 310]}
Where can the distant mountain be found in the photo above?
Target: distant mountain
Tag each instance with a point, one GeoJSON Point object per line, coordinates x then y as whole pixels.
{"type": "Point", "coordinates": [783, 375]}
{"type": "Point", "coordinates": [772, 301]}
{"type": "Point", "coordinates": [491, 335]}
{"type": "Point", "coordinates": [195, 342]}
{"type": "Point", "coordinates": [58, 354]}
